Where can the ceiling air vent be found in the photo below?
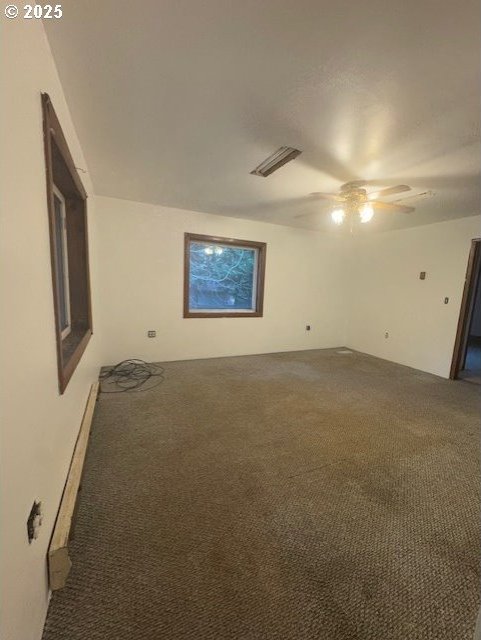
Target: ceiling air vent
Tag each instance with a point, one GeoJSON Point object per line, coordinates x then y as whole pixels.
{"type": "Point", "coordinates": [275, 161]}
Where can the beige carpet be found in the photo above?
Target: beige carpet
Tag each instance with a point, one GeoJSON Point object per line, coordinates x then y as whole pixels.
{"type": "Point", "coordinates": [296, 496]}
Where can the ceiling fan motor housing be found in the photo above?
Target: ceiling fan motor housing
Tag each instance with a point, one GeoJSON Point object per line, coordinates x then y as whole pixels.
{"type": "Point", "coordinates": [355, 197]}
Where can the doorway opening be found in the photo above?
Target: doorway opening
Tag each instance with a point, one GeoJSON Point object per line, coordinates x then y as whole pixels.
{"type": "Point", "coordinates": [466, 363]}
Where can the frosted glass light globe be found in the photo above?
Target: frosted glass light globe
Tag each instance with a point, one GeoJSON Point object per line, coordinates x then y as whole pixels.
{"type": "Point", "coordinates": [366, 212]}
{"type": "Point", "coordinates": [338, 216]}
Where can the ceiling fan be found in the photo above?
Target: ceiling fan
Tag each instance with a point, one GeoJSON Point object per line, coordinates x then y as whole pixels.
{"type": "Point", "coordinates": [353, 199]}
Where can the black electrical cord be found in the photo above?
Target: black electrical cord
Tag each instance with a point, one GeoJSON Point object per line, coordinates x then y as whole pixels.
{"type": "Point", "coordinates": [131, 375]}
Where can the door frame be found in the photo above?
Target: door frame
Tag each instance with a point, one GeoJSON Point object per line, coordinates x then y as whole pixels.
{"type": "Point", "coordinates": [466, 311]}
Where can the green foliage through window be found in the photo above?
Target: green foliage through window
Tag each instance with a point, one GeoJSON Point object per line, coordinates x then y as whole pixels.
{"type": "Point", "coordinates": [222, 277]}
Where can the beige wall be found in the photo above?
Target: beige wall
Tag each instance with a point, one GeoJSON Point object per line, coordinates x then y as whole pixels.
{"type": "Point", "coordinates": [386, 294]}
{"type": "Point", "coordinates": [141, 281]}
{"type": "Point", "coordinates": [350, 290]}
{"type": "Point", "coordinates": [38, 427]}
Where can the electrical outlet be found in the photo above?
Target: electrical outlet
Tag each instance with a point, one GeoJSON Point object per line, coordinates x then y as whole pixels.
{"type": "Point", "coordinates": [308, 327]}
{"type": "Point", "coordinates": [151, 334]}
{"type": "Point", "coordinates": [446, 300]}
{"type": "Point", "coordinates": [34, 521]}
{"type": "Point", "coordinates": [386, 335]}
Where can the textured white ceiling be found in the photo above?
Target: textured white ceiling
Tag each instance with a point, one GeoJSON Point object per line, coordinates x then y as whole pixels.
{"type": "Point", "coordinates": [176, 101]}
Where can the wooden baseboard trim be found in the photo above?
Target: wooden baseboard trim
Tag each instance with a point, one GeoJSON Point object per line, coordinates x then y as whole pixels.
{"type": "Point", "coordinates": [59, 562]}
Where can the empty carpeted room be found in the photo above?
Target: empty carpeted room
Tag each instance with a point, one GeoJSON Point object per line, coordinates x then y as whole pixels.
{"type": "Point", "coordinates": [241, 312]}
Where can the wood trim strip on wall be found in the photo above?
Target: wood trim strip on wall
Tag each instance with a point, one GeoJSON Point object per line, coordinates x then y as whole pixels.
{"type": "Point", "coordinates": [59, 562]}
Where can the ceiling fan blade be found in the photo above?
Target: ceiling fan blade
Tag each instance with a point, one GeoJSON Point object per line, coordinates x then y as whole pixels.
{"type": "Point", "coordinates": [353, 184]}
{"type": "Point", "coordinates": [418, 196]}
{"type": "Point", "coordinates": [307, 215]}
{"type": "Point", "coordinates": [311, 213]}
{"type": "Point", "coordinates": [328, 196]}
{"type": "Point", "coordinates": [390, 191]}
{"type": "Point", "coordinates": [394, 208]}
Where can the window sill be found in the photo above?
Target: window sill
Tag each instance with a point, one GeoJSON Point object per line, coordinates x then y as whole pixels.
{"type": "Point", "coordinates": [223, 314]}
{"type": "Point", "coordinates": [73, 347]}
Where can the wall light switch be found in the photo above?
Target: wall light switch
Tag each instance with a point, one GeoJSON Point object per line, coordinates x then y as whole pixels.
{"type": "Point", "coordinates": [308, 327]}
{"type": "Point", "coordinates": [446, 300]}
{"type": "Point", "coordinates": [151, 334]}
{"type": "Point", "coordinates": [422, 275]}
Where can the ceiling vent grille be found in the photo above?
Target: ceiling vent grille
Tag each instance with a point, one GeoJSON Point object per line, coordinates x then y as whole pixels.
{"type": "Point", "coordinates": [275, 161]}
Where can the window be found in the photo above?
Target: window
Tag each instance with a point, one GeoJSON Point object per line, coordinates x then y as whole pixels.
{"type": "Point", "coordinates": [223, 277]}
{"type": "Point", "coordinates": [61, 262]}
{"type": "Point", "coordinates": [66, 199]}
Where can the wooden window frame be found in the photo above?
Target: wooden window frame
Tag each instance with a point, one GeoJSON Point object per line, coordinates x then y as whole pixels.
{"type": "Point", "coordinates": [466, 310]}
{"type": "Point", "coordinates": [261, 248]}
{"type": "Point", "coordinates": [62, 175]}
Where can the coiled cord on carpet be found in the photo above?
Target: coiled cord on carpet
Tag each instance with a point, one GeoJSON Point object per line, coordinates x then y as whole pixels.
{"type": "Point", "coordinates": [131, 375]}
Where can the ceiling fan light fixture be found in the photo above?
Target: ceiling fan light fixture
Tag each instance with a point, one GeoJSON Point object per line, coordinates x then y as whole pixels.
{"type": "Point", "coordinates": [366, 212]}
{"type": "Point", "coordinates": [338, 215]}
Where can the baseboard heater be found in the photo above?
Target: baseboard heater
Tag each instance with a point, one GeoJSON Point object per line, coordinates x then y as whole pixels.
{"type": "Point", "coordinates": [59, 562]}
